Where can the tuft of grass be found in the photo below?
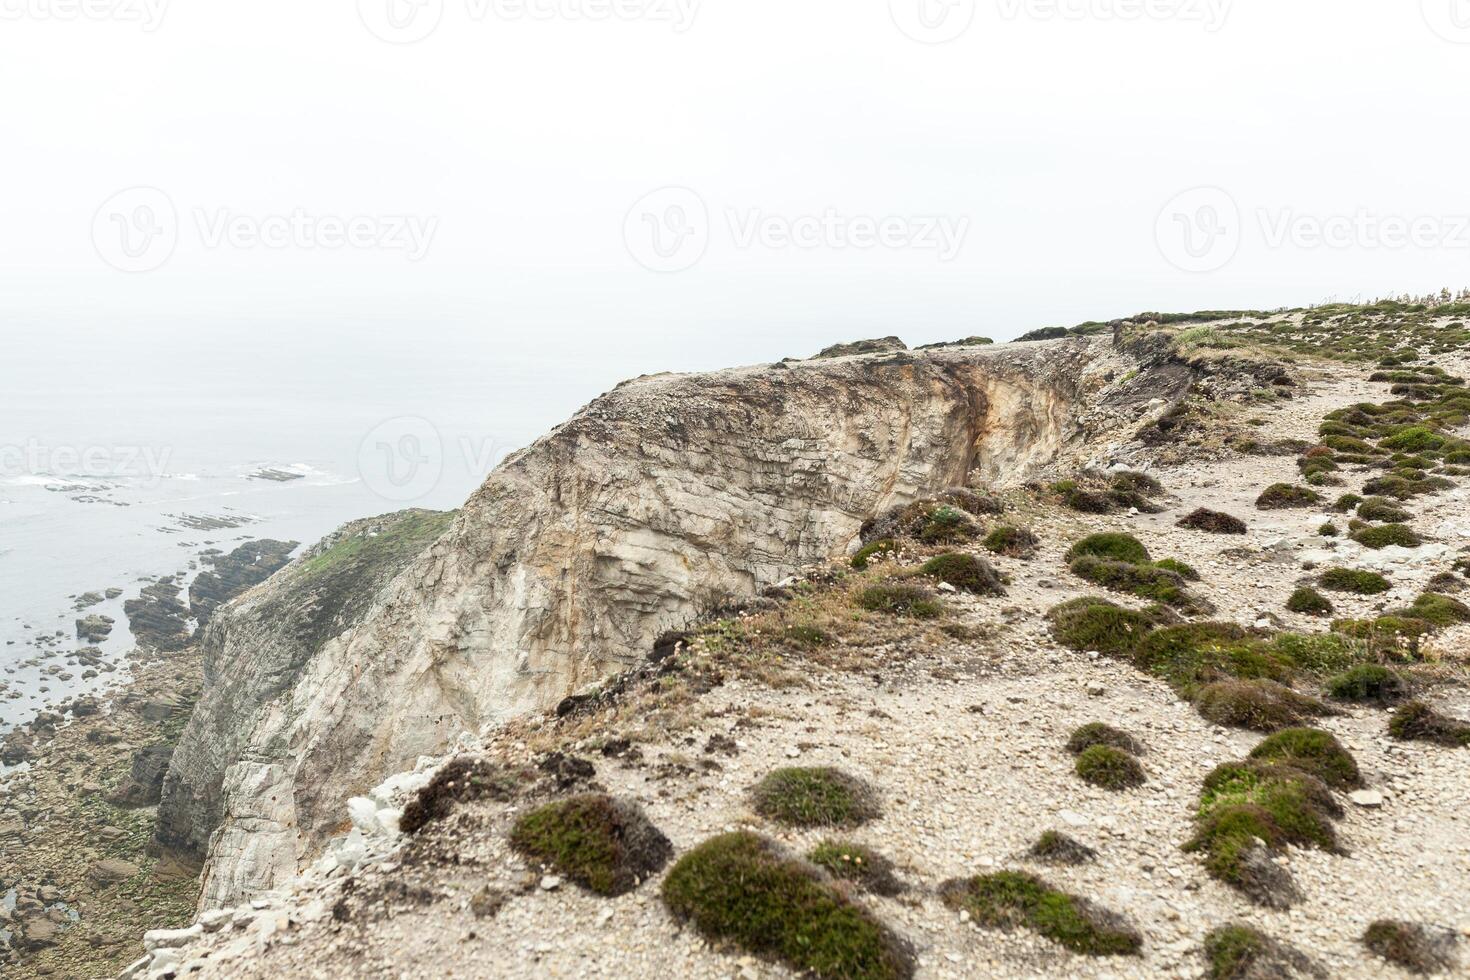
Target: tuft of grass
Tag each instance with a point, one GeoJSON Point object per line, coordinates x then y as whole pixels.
{"type": "Point", "coordinates": [1415, 439]}
{"type": "Point", "coordinates": [1110, 768]}
{"type": "Point", "coordinates": [1282, 496]}
{"type": "Point", "coordinates": [1240, 952]}
{"type": "Point", "coordinates": [1383, 510]}
{"type": "Point", "coordinates": [966, 573]}
{"type": "Point", "coordinates": [1328, 530]}
{"type": "Point", "coordinates": [604, 844]}
{"type": "Point", "coordinates": [1179, 568]}
{"type": "Point", "coordinates": [1418, 722]}
{"type": "Point", "coordinates": [865, 867]}
{"type": "Point", "coordinates": [1090, 623]}
{"type": "Point", "coordinates": [1191, 656]}
{"type": "Point", "coordinates": [1441, 610]}
{"type": "Point", "coordinates": [742, 889]}
{"type": "Point", "coordinates": [1314, 752]}
{"type": "Point", "coordinates": [1093, 733]}
{"type": "Point", "coordinates": [1368, 684]}
{"type": "Point", "coordinates": [1309, 601]}
{"type": "Point", "coordinates": [1111, 545]}
{"type": "Point", "coordinates": [1012, 899]}
{"type": "Point", "coordinates": [900, 599]}
{"type": "Point", "coordinates": [1213, 522]}
{"type": "Point", "coordinates": [882, 548]}
{"type": "Point", "coordinates": [1257, 705]}
{"type": "Point", "coordinates": [1354, 580]}
{"type": "Point", "coordinates": [815, 797]}
{"type": "Point", "coordinates": [1386, 536]}
{"type": "Point", "coordinates": [1411, 946]}
{"type": "Point", "coordinates": [1055, 847]}
{"type": "Point", "coordinates": [1346, 502]}
{"type": "Point", "coordinates": [1144, 581]}
{"type": "Point", "coordinates": [1010, 541]}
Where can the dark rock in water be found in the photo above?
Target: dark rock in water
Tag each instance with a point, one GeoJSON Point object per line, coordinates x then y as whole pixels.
{"type": "Point", "coordinates": [881, 345]}
{"type": "Point", "coordinates": [94, 629]}
{"type": "Point", "coordinates": [276, 476]}
{"type": "Point", "coordinates": [242, 569]}
{"type": "Point", "coordinates": [86, 599]}
{"type": "Point", "coordinates": [158, 618]}
{"type": "Point", "coordinates": [210, 522]}
{"type": "Point", "coordinates": [112, 593]}
{"type": "Point", "coordinates": [144, 783]}
{"type": "Point", "coordinates": [16, 748]}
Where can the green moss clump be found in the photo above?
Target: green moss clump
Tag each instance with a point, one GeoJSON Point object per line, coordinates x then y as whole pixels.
{"type": "Point", "coordinates": [1238, 952]}
{"type": "Point", "coordinates": [1382, 509]}
{"type": "Point", "coordinates": [1308, 601]}
{"type": "Point", "coordinates": [883, 548]}
{"type": "Point", "coordinates": [1313, 751]}
{"type": "Point", "coordinates": [966, 573]}
{"type": "Point", "coordinates": [1093, 733]}
{"type": "Point", "coordinates": [604, 844]}
{"type": "Point", "coordinates": [1441, 610]}
{"type": "Point", "coordinates": [1012, 542]}
{"type": "Point", "coordinates": [1388, 535]}
{"type": "Point", "coordinates": [1090, 623]}
{"type": "Point", "coordinates": [1110, 768]}
{"type": "Point", "coordinates": [948, 525]}
{"type": "Point", "coordinates": [1191, 656]}
{"type": "Point", "coordinates": [1179, 568]}
{"type": "Point", "coordinates": [1282, 496]}
{"type": "Point", "coordinates": [1328, 530]}
{"type": "Point", "coordinates": [1355, 580]}
{"type": "Point", "coordinates": [865, 867]}
{"type": "Point", "coordinates": [1368, 684]}
{"type": "Point", "coordinates": [1011, 899]}
{"type": "Point", "coordinates": [1411, 946]}
{"type": "Point", "coordinates": [1144, 581]}
{"type": "Point", "coordinates": [1418, 722]}
{"type": "Point", "coordinates": [1112, 545]}
{"type": "Point", "coordinates": [900, 599]}
{"type": "Point", "coordinates": [740, 888]}
{"type": "Point", "coordinates": [1257, 705]}
{"type": "Point", "coordinates": [1213, 522]}
{"type": "Point", "coordinates": [814, 797]}
{"type": "Point", "coordinates": [1055, 847]}
{"type": "Point", "coordinates": [1414, 439]}
{"type": "Point", "coordinates": [1347, 502]}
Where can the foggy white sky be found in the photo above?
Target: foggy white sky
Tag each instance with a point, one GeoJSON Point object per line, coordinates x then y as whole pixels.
{"type": "Point", "coordinates": [1054, 132]}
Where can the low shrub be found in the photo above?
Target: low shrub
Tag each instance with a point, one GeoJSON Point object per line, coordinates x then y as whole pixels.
{"type": "Point", "coordinates": [1055, 847]}
{"type": "Point", "coordinates": [1089, 623]}
{"type": "Point", "coordinates": [1112, 545]}
{"type": "Point", "coordinates": [1239, 952]}
{"type": "Point", "coordinates": [1257, 705]}
{"type": "Point", "coordinates": [1213, 522]}
{"type": "Point", "coordinates": [1441, 610]}
{"type": "Point", "coordinates": [1089, 502]}
{"type": "Point", "coordinates": [1012, 542]}
{"type": "Point", "coordinates": [1347, 502]}
{"type": "Point", "coordinates": [1354, 580]}
{"type": "Point", "coordinates": [1415, 439]}
{"type": "Point", "coordinates": [1411, 946]}
{"type": "Point", "coordinates": [1314, 752]}
{"type": "Point", "coordinates": [1155, 584]}
{"type": "Point", "coordinates": [1282, 496]}
{"type": "Point", "coordinates": [900, 599]}
{"type": "Point", "coordinates": [966, 573]}
{"type": "Point", "coordinates": [865, 867]}
{"type": "Point", "coordinates": [604, 844]}
{"type": "Point", "coordinates": [1388, 535]}
{"type": "Point", "coordinates": [1418, 722]}
{"type": "Point", "coordinates": [882, 548]}
{"type": "Point", "coordinates": [1110, 768]}
{"type": "Point", "coordinates": [1093, 733]}
{"type": "Point", "coordinates": [1328, 530]}
{"type": "Point", "coordinates": [948, 525]}
{"type": "Point", "coordinates": [1382, 509]}
{"type": "Point", "coordinates": [463, 779]}
{"type": "Point", "coordinates": [1193, 655]}
{"type": "Point", "coordinates": [1010, 899]}
{"type": "Point", "coordinates": [1368, 684]}
{"type": "Point", "coordinates": [1179, 568]}
{"type": "Point", "coordinates": [814, 797]}
{"type": "Point", "coordinates": [743, 889]}
{"type": "Point", "coordinates": [1308, 601]}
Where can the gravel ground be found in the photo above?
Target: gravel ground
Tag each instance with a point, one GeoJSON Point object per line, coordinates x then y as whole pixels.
{"type": "Point", "coordinates": [965, 743]}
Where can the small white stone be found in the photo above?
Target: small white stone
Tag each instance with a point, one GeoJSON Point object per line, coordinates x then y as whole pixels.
{"type": "Point", "coordinates": [550, 883]}
{"type": "Point", "coordinates": [1367, 797]}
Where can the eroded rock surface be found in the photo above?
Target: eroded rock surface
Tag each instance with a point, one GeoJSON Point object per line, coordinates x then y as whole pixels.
{"type": "Point", "coordinates": [658, 499]}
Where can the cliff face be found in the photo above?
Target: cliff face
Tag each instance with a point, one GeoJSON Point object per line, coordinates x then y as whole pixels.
{"type": "Point", "coordinates": [578, 551]}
